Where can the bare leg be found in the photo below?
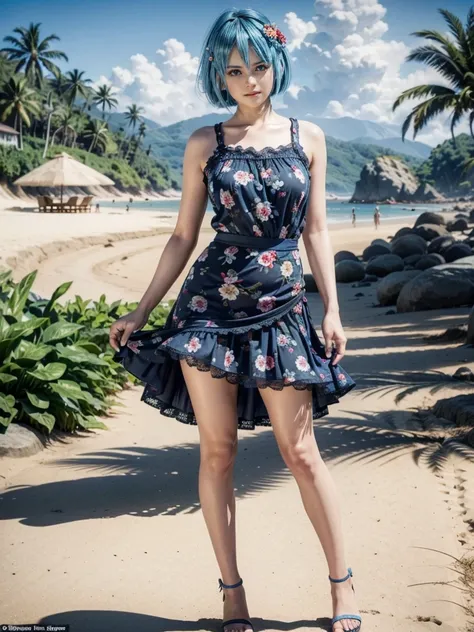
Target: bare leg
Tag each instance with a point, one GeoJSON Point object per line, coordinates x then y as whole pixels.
{"type": "Point", "coordinates": [214, 403]}
{"type": "Point", "coordinates": [290, 412]}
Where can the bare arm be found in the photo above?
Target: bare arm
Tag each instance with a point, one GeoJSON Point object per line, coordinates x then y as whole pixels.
{"type": "Point", "coordinates": [183, 240]}
{"type": "Point", "coordinates": [318, 244]}
{"type": "Point", "coordinates": [316, 234]}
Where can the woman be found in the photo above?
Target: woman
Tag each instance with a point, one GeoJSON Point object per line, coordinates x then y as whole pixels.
{"type": "Point", "coordinates": [241, 313]}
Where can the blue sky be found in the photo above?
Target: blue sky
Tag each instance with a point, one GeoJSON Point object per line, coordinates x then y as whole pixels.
{"type": "Point", "coordinates": [100, 35]}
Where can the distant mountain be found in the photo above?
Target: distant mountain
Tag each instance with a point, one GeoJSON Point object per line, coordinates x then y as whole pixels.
{"type": "Point", "coordinates": [345, 159]}
{"type": "Point", "coordinates": [117, 119]}
{"type": "Point", "coordinates": [409, 147]}
{"type": "Point", "coordinates": [349, 128]}
{"type": "Point", "coordinates": [346, 156]}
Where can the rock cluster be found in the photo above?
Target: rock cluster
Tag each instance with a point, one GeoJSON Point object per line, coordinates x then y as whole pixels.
{"type": "Point", "coordinates": [428, 266]}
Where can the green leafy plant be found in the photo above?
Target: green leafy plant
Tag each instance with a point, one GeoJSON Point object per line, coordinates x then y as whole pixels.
{"type": "Point", "coordinates": [56, 364]}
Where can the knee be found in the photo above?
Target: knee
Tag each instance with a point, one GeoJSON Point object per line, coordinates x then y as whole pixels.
{"type": "Point", "coordinates": [302, 460]}
{"type": "Point", "coordinates": [219, 457]}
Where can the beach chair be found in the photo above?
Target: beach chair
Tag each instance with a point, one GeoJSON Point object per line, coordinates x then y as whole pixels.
{"type": "Point", "coordinates": [71, 205]}
{"type": "Point", "coordinates": [53, 206]}
{"type": "Point", "coordinates": [85, 206]}
{"type": "Point", "coordinates": [42, 206]}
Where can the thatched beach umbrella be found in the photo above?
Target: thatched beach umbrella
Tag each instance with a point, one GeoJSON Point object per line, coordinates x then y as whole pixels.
{"type": "Point", "coordinates": [63, 171]}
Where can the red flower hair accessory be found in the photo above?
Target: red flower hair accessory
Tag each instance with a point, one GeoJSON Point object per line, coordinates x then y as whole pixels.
{"type": "Point", "coordinates": [273, 33]}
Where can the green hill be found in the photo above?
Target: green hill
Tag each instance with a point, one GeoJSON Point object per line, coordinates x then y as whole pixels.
{"type": "Point", "coordinates": [345, 158]}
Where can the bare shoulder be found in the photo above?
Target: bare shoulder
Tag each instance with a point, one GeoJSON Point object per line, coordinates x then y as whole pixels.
{"type": "Point", "coordinates": [311, 130]}
{"type": "Point", "coordinates": [312, 139]}
{"type": "Point", "coordinates": [202, 143]}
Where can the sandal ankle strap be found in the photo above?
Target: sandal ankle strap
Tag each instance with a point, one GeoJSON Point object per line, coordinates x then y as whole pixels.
{"type": "Point", "coordinates": [343, 579]}
{"type": "Point", "coordinates": [222, 585]}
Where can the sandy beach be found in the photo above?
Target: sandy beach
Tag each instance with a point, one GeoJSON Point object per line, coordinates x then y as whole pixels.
{"type": "Point", "coordinates": [406, 501]}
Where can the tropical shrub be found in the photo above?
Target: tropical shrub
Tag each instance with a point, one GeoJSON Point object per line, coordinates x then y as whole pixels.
{"type": "Point", "coordinates": [56, 364]}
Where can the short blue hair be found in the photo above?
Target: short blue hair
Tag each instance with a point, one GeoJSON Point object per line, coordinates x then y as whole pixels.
{"type": "Point", "coordinates": [242, 28]}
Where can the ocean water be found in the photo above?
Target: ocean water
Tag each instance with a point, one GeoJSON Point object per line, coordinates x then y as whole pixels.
{"type": "Point", "coordinates": [337, 211]}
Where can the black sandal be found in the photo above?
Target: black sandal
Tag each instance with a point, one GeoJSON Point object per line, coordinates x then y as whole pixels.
{"type": "Point", "coordinates": [229, 621]}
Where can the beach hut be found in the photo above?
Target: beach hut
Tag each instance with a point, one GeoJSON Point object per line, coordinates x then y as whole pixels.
{"type": "Point", "coordinates": [63, 171]}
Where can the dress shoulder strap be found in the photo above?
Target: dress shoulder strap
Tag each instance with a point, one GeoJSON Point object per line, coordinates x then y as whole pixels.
{"type": "Point", "coordinates": [219, 134]}
{"type": "Point", "coordinates": [295, 131]}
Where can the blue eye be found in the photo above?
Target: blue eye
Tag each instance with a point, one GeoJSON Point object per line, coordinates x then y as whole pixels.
{"type": "Point", "coordinates": [237, 70]}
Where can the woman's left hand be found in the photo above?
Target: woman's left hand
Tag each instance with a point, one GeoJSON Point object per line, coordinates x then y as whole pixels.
{"type": "Point", "coordinates": [333, 332]}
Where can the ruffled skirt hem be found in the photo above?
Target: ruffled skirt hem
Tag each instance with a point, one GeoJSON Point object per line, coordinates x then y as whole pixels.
{"type": "Point", "coordinates": [283, 351]}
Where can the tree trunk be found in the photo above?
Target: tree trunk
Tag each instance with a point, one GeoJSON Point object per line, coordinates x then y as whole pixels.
{"type": "Point", "coordinates": [21, 134]}
{"type": "Point", "coordinates": [48, 130]}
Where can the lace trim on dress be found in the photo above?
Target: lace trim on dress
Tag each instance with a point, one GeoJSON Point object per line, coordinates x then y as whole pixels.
{"type": "Point", "coordinates": [290, 150]}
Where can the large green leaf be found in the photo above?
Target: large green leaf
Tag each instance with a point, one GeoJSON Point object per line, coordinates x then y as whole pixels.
{"type": "Point", "coordinates": [45, 419]}
{"type": "Point", "coordinates": [59, 291]}
{"type": "Point", "coordinates": [91, 347]}
{"type": "Point", "coordinates": [7, 411]}
{"type": "Point", "coordinates": [49, 372]}
{"type": "Point", "coordinates": [89, 422]}
{"type": "Point", "coordinates": [20, 294]}
{"type": "Point", "coordinates": [38, 400]}
{"type": "Point", "coordinates": [5, 378]}
{"type": "Point", "coordinates": [23, 328]}
{"type": "Point", "coordinates": [60, 330]}
{"type": "Point", "coordinates": [69, 389]}
{"type": "Point", "coordinates": [31, 351]}
{"type": "Point", "coordinates": [78, 355]}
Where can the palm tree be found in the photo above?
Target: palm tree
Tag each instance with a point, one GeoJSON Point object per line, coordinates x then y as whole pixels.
{"type": "Point", "coordinates": [58, 83]}
{"type": "Point", "coordinates": [98, 133]}
{"type": "Point", "coordinates": [133, 115]}
{"type": "Point", "coordinates": [6, 68]}
{"type": "Point", "coordinates": [66, 121]}
{"type": "Point", "coordinates": [141, 132]}
{"type": "Point", "coordinates": [32, 53]}
{"type": "Point", "coordinates": [103, 97]}
{"type": "Point", "coordinates": [19, 99]}
{"type": "Point", "coordinates": [455, 62]}
{"type": "Point", "coordinates": [50, 107]}
{"type": "Point", "coordinates": [76, 86]}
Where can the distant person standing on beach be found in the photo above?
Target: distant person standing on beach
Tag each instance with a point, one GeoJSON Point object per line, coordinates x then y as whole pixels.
{"type": "Point", "coordinates": [127, 208]}
{"type": "Point", "coordinates": [353, 217]}
{"type": "Point", "coordinates": [377, 217]}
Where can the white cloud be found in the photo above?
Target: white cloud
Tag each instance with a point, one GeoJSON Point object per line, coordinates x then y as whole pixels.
{"type": "Point", "coordinates": [298, 29]}
{"type": "Point", "coordinates": [166, 89]}
{"type": "Point", "coordinates": [359, 73]}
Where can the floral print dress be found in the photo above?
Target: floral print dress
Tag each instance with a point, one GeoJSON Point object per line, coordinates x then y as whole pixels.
{"type": "Point", "coordinates": [242, 312]}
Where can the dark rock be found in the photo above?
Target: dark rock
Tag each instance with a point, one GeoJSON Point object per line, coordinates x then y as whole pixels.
{"type": "Point", "coordinates": [457, 224]}
{"type": "Point", "coordinates": [464, 373]}
{"type": "Point", "coordinates": [310, 283]}
{"type": "Point", "coordinates": [370, 278]}
{"type": "Point", "coordinates": [381, 242]}
{"type": "Point", "coordinates": [446, 285]}
{"type": "Point", "coordinates": [411, 260]}
{"type": "Point", "coordinates": [374, 251]}
{"type": "Point", "coordinates": [345, 255]}
{"type": "Point", "coordinates": [440, 243]}
{"type": "Point", "coordinates": [349, 271]}
{"type": "Point", "coordinates": [409, 245]}
{"type": "Point", "coordinates": [429, 217]}
{"type": "Point", "coordinates": [456, 251]}
{"type": "Point", "coordinates": [401, 232]}
{"type": "Point", "coordinates": [361, 284]}
{"type": "Point", "coordinates": [430, 231]}
{"type": "Point", "coordinates": [389, 287]}
{"type": "Point", "coordinates": [428, 261]}
{"type": "Point", "coordinates": [384, 264]}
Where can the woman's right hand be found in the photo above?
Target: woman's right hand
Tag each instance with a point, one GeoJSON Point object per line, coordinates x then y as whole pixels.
{"type": "Point", "coordinates": [121, 329]}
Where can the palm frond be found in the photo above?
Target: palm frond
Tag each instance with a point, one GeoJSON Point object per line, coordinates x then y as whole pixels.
{"type": "Point", "coordinates": [454, 24]}
{"type": "Point", "coordinates": [451, 65]}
